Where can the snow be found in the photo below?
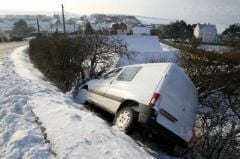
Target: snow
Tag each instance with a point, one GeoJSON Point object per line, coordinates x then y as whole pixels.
{"type": "Point", "coordinates": [152, 20]}
{"type": "Point", "coordinates": [73, 131]}
{"type": "Point", "coordinates": [141, 31]}
{"type": "Point", "coordinates": [140, 58]}
{"type": "Point", "coordinates": [147, 49]}
{"type": "Point", "coordinates": [167, 47]}
{"type": "Point", "coordinates": [140, 43]}
{"type": "Point", "coordinates": [19, 135]}
{"type": "Point", "coordinates": [215, 48]}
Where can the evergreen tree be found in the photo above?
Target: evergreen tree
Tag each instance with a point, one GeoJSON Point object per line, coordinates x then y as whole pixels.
{"type": "Point", "coordinates": [232, 31]}
{"type": "Point", "coordinates": [88, 29]}
{"type": "Point", "coordinates": [21, 30]}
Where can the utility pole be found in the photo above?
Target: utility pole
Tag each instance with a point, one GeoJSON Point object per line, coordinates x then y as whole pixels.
{"type": "Point", "coordinates": [38, 27]}
{"type": "Point", "coordinates": [64, 28]}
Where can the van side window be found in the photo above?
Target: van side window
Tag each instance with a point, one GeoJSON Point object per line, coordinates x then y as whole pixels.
{"type": "Point", "coordinates": [112, 73]}
{"type": "Point", "coordinates": [128, 74]}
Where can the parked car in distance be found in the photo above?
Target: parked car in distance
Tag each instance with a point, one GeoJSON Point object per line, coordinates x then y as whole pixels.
{"type": "Point", "coordinates": [159, 96]}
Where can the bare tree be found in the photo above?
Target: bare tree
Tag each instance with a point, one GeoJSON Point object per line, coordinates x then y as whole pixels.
{"type": "Point", "coordinates": [102, 53]}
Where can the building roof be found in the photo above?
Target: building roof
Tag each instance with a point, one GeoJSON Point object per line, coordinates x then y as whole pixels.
{"type": "Point", "coordinates": [142, 44]}
{"type": "Point", "coordinates": [207, 27]}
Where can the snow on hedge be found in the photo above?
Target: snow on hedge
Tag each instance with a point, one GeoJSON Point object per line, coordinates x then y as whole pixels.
{"type": "Point", "coordinates": [73, 131]}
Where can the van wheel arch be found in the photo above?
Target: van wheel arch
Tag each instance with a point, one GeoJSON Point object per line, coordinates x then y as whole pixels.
{"type": "Point", "coordinates": [85, 87]}
{"type": "Point", "coordinates": [129, 103]}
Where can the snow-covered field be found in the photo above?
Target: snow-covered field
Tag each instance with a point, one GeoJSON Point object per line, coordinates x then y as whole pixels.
{"type": "Point", "coordinates": [38, 121]}
{"type": "Point", "coordinates": [215, 48]}
{"type": "Point", "coordinates": [151, 20]}
{"type": "Point", "coordinates": [168, 48]}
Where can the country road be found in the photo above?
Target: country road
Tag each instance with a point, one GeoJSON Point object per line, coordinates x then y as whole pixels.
{"type": "Point", "coordinates": [6, 48]}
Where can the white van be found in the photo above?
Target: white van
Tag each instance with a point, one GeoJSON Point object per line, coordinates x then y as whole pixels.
{"type": "Point", "coordinates": [159, 96]}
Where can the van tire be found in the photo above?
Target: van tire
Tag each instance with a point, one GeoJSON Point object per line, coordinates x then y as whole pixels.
{"type": "Point", "coordinates": [170, 149]}
{"type": "Point", "coordinates": [125, 119]}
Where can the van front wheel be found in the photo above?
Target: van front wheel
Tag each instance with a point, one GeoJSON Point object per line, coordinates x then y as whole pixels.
{"type": "Point", "coordinates": [82, 95]}
{"type": "Point", "coordinates": [125, 119]}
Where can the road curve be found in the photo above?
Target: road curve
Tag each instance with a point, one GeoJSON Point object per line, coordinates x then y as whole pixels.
{"type": "Point", "coordinates": [8, 47]}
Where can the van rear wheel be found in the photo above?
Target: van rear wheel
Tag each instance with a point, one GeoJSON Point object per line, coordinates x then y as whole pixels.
{"type": "Point", "coordinates": [125, 119]}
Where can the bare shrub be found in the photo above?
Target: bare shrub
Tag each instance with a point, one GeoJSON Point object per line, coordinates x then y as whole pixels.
{"type": "Point", "coordinates": [218, 82]}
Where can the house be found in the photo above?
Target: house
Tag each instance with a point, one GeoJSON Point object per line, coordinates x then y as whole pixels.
{"type": "Point", "coordinates": [81, 24]}
{"type": "Point", "coordinates": [6, 25]}
{"type": "Point", "coordinates": [44, 26]}
{"type": "Point", "coordinates": [56, 25]}
{"type": "Point", "coordinates": [141, 30]}
{"type": "Point", "coordinates": [206, 33]}
{"type": "Point", "coordinates": [101, 26]}
{"type": "Point", "coordinates": [119, 29]}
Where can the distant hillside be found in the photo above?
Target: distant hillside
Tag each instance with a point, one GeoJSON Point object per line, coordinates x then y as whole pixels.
{"type": "Point", "coordinates": [152, 20]}
{"type": "Point", "coordinates": [110, 18]}
{"type": "Point", "coordinates": [26, 14]}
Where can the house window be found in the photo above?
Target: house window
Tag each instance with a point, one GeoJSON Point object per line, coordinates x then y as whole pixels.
{"type": "Point", "coordinates": [128, 74]}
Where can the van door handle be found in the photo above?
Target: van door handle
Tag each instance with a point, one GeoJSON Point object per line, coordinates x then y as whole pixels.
{"type": "Point", "coordinates": [168, 115]}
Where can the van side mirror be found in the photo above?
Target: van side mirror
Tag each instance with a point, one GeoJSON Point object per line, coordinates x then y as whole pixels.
{"type": "Point", "coordinates": [100, 75]}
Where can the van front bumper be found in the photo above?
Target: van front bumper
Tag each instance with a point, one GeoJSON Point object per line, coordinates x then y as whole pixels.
{"type": "Point", "coordinates": [148, 118]}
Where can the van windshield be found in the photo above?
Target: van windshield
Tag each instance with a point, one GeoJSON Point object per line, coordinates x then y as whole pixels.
{"type": "Point", "coordinates": [128, 74]}
{"type": "Point", "coordinates": [112, 73]}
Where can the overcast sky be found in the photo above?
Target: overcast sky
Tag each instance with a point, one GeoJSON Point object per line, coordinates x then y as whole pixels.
{"type": "Point", "coordinates": [212, 11]}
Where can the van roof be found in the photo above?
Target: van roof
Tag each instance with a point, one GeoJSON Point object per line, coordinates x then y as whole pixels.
{"type": "Point", "coordinates": [164, 66]}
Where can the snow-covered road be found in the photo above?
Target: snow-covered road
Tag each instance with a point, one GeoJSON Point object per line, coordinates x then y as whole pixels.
{"type": "Point", "coordinates": [73, 131]}
{"type": "Point", "coordinates": [6, 48]}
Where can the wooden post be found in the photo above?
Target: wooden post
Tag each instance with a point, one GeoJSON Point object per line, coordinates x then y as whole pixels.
{"type": "Point", "coordinates": [64, 27]}
{"type": "Point", "coordinates": [38, 27]}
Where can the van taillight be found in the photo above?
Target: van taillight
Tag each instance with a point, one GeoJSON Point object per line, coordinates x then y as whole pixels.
{"type": "Point", "coordinates": [154, 99]}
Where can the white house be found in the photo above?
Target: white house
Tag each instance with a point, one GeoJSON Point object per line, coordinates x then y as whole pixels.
{"type": "Point", "coordinates": [81, 24]}
{"type": "Point", "coordinates": [44, 26]}
{"type": "Point", "coordinates": [56, 25]}
{"type": "Point", "coordinates": [206, 33]}
{"type": "Point", "coordinates": [6, 26]}
{"type": "Point", "coordinates": [141, 30]}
